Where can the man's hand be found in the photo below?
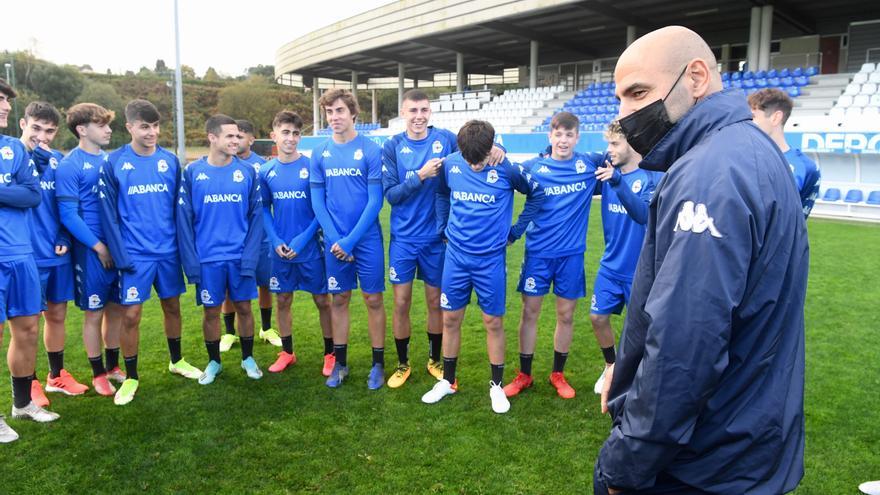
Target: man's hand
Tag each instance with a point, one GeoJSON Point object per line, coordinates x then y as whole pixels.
{"type": "Point", "coordinates": [284, 252]}
{"type": "Point", "coordinates": [612, 491]}
{"type": "Point", "coordinates": [605, 173]}
{"type": "Point", "coordinates": [60, 250]}
{"type": "Point", "coordinates": [103, 255]}
{"type": "Point", "coordinates": [340, 254]}
{"type": "Point", "coordinates": [496, 156]}
{"type": "Point", "coordinates": [430, 169]}
{"type": "Point", "coordinates": [609, 374]}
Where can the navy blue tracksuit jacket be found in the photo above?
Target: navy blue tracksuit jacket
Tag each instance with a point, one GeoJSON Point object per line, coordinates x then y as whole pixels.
{"type": "Point", "coordinates": [708, 387]}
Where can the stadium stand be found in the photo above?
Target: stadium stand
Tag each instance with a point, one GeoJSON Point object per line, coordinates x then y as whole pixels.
{"type": "Point", "coordinates": [365, 128]}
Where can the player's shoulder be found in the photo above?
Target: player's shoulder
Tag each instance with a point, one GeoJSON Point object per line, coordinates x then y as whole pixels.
{"type": "Point", "coordinates": [114, 156]}
{"type": "Point", "coordinates": [268, 167]}
{"type": "Point", "coordinates": [441, 133]}
{"type": "Point", "coordinates": [72, 159]}
{"type": "Point", "coordinates": [591, 157]}
{"type": "Point", "coordinates": [165, 154]}
{"type": "Point", "coordinates": [14, 145]}
{"type": "Point", "coordinates": [367, 144]}
{"type": "Point", "coordinates": [394, 141]}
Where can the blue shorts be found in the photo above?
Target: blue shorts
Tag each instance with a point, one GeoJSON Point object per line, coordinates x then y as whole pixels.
{"type": "Point", "coordinates": [566, 274]}
{"type": "Point", "coordinates": [408, 260]}
{"type": "Point", "coordinates": [19, 288]}
{"type": "Point", "coordinates": [220, 278]}
{"type": "Point", "coordinates": [56, 284]}
{"type": "Point", "coordinates": [610, 293]}
{"type": "Point", "coordinates": [487, 275]}
{"type": "Point", "coordinates": [289, 277]}
{"type": "Point", "coordinates": [94, 286]}
{"type": "Point", "coordinates": [368, 267]}
{"type": "Point", "coordinates": [264, 266]}
{"type": "Point", "coordinates": [164, 275]}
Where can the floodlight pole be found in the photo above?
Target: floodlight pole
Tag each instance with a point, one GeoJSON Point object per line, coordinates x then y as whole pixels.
{"type": "Point", "coordinates": [178, 90]}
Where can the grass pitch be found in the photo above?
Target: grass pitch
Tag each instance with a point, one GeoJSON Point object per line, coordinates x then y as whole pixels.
{"type": "Point", "coordinates": [289, 433]}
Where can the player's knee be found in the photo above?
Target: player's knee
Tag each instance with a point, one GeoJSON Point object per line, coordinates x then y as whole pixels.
{"type": "Point", "coordinates": [243, 308]}
{"type": "Point", "coordinates": [598, 320]}
{"type": "Point", "coordinates": [322, 301]}
{"type": "Point", "coordinates": [374, 301]}
{"type": "Point", "coordinates": [132, 315]}
{"type": "Point", "coordinates": [402, 303]}
{"type": "Point", "coordinates": [284, 299]}
{"type": "Point", "coordinates": [493, 324]}
{"type": "Point", "coordinates": [55, 313]}
{"type": "Point", "coordinates": [341, 300]}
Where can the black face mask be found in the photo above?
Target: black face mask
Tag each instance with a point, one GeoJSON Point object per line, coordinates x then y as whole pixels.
{"type": "Point", "coordinates": [645, 127]}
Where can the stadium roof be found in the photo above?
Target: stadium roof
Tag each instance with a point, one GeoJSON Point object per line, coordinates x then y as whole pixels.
{"type": "Point", "coordinates": [495, 34]}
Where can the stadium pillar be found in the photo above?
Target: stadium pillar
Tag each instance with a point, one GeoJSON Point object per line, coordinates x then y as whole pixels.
{"type": "Point", "coordinates": [316, 113]}
{"type": "Point", "coordinates": [533, 64]}
{"type": "Point", "coordinates": [399, 87]}
{"type": "Point", "coordinates": [630, 35]}
{"type": "Point", "coordinates": [354, 82]}
{"type": "Point", "coordinates": [375, 105]}
{"type": "Point", "coordinates": [725, 57]}
{"type": "Point", "coordinates": [754, 38]}
{"type": "Point", "coordinates": [459, 72]}
{"type": "Point", "coordinates": [766, 34]}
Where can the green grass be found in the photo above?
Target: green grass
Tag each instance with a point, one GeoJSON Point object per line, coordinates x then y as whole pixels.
{"type": "Point", "coordinates": [290, 434]}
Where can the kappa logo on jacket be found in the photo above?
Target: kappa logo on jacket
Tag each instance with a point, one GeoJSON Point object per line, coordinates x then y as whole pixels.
{"type": "Point", "coordinates": [694, 217]}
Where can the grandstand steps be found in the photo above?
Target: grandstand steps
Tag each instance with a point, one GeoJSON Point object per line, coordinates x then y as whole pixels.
{"type": "Point", "coordinates": [815, 102]}
{"type": "Point", "coordinates": [828, 80]}
{"type": "Point", "coordinates": [822, 91]}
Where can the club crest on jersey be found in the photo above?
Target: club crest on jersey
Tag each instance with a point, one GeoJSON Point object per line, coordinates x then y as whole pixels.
{"type": "Point", "coordinates": [332, 284]}
{"type": "Point", "coordinates": [132, 294]}
{"type": "Point", "coordinates": [94, 301]}
{"type": "Point", "coordinates": [7, 153]}
{"type": "Point", "coordinates": [392, 274]}
{"type": "Point", "coordinates": [126, 166]}
{"type": "Point", "coordinates": [637, 186]}
{"type": "Point", "coordinates": [695, 218]}
{"type": "Point", "coordinates": [35, 173]}
{"type": "Point", "coordinates": [53, 162]}
{"type": "Point", "coordinates": [405, 150]}
{"type": "Point", "coordinates": [206, 297]}
{"type": "Point", "coordinates": [162, 165]}
{"type": "Point", "coordinates": [202, 176]}
{"type": "Point", "coordinates": [529, 284]}
{"type": "Point", "coordinates": [444, 301]}
{"type": "Point", "coordinates": [273, 283]}
{"type": "Point", "coordinates": [455, 170]}
{"type": "Point", "coordinates": [492, 177]}
{"type": "Point", "coordinates": [326, 154]}
{"type": "Point", "coordinates": [437, 147]}
{"type": "Point", "coordinates": [303, 173]}
{"type": "Point", "coordinates": [544, 170]}
{"type": "Point", "coordinates": [580, 166]}
{"type": "Point", "coordinates": [237, 176]}
{"type": "Point", "coordinates": [256, 167]}
{"type": "Point", "coordinates": [358, 154]}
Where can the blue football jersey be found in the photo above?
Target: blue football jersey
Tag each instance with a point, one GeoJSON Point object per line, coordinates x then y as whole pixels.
{"type": "Point", "coordinates": [285, 186]}
{"type": "Point", "coordinates": [807, 177]}
{"type": "Point", "coordinates": [623, 235]}
{"type": "Point", "coordinates": [255, 161]}
{"type": "Point", "coordinates": [19, 191]}
{"type": "Point", "coordinates": [344, 171]}
{"type": "Point", "coordinates": [411, 199]}
{"type": "Point", "coordinates": [76, 179]}
{"type": "Point", "coordinates": [560, 229]}
{"type": "Point", "coordinates": [223, 202]}
{"type": "Point", "coordinates": [479, 205]}
{"type": "Point", "coordinates": [141, 192]}
{"type": "Point", "coordinates": [45, 223]}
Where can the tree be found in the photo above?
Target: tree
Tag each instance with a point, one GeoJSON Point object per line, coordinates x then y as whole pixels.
{"type": "Point", "coordinates": [55, 84]}
{"type": "Point", "coordinates": [161, 68]}
{"type": "Point", "coordinates": [105, 95]}
{"type": "Point", "coordinates": [267, 71]}
{"type": "Point", "coordinates": [253, 100]}
{"type": "Point", "coordinates": [187, 72]}
{"type": "Point", "coordinates": [145, 72]}
{"type": "Point", "coordinates": [211, 75]}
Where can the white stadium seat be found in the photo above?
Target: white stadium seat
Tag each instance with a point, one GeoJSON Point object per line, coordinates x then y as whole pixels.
{"type": "Point", "coordinates": [868, 89]}
{"type": "Point", "coordinates": [861, 101]}
{"type": "Point", "coordinates": [845, 101]}
{"type": "Point", "coordinates": [871, 111]}
{"type": "Point", "coordinates": [867, 67]}
{"type": "Point", "coordinates": [860, 78]}
{"type": "Point", "coordinates": [875, 99]}
{"type": "Point", "coordinates": [837, 113]}
{"type": "Point", "coordinates": [874, 77]}
{"type": "Point", "coordinates": [853, 111]}
{"type": "Point", "coordinates": [852, 89]}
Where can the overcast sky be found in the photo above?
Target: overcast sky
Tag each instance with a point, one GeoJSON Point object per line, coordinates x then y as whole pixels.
{"type": "Point", "coordinates": [126, 34]}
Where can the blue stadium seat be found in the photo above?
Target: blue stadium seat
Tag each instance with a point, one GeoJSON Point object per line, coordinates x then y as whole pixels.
{"type": "Point", "coordinates": [736, 76]}
{"type": "Point", "coordinates": [748, 83]}
{"type": "Point", "coordinates": [748, 75]}
{"type": "Point", "coordinates": [773, 81]}
{"type": "Point", "coordinates": [726, 84]}
{"type": "Point", "coordinates": [831, 194]}
{"type": "Point", "coordinates": [725, 76]}
{"type": "Point", "coordinates": [793, 91]}
{"type": "Point", "coordinates": [784, 73]}
{"type": "Point", "coordinates": [797, 71]}
{"type": "Point", "coordinates": [761, 74]}
{"type": "Point", "coordinates": [594, 101]}
{"type": "Point", "coordinates": [761, 83]}
{"type": "Point", "coordinates": [787, 80]}
{"type": "Point", "coordinates": [854, 196]}
{"type": "Point", "coordinates": [873, 198]}
{"type": "Point", "coordinates": [737, 83]}
{"type": "Point", "coordinates": [772, 73]}
{"type": "Point", "coordinates": [801, 81]}
{"type": "Point", "coordinates": [811, 71]}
